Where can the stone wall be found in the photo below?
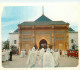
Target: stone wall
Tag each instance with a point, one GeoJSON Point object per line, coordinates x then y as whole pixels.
{"type": "Point", "coordinates": [14, 37]}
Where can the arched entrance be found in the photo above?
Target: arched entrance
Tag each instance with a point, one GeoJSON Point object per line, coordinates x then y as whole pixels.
{"type": "Point", "coordinates": [43, 44]}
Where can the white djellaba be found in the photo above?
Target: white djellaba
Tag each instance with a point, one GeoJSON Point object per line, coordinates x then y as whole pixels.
{"type": "Point", "coordinates": [56, 58]}
{"type": "Point", "coordinates": [40, 58]}
{"type": "Point", "coordinates": [23, 53]}
{"type": "Point", "coordinates": [48, 59]}
{"type": "Point", "coordinates": [7, 55]}
{"type": "Point", "coordinates": [32, 56]}
{"type": "Point", "coordinates": [52, 51]}
{"type": "Point", "coordinates": [3, 56]}
{"type": "Point", "coordinates": [63, 53]}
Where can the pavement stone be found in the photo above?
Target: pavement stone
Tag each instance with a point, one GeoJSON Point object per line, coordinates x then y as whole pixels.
{"type": "Point", "coordinates": [18, 62]}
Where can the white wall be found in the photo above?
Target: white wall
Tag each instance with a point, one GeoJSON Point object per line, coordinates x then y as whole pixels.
{"type": "Point", "coordinates": [12, 38]}
{"type": "Point", "coordinates": [74, 36]}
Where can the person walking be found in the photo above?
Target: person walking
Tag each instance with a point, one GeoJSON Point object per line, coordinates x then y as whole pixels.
{"type": "Point", "coordinates": [10, 55]}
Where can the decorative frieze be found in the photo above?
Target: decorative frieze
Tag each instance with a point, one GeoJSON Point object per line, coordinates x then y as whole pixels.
{"type": "Point", "coordinates": [26, 39]}
{"type": "Point", "coordinates": [26, 33]}
{"type": "Point", "coordinates": [26, 36]}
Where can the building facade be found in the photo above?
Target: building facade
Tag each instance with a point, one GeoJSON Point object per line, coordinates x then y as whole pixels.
{"type": "Point", "coordinates": [43, 32]}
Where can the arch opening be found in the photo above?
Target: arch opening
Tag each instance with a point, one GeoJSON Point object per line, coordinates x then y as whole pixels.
{"type": "Point", "coordinates": [43, 44]}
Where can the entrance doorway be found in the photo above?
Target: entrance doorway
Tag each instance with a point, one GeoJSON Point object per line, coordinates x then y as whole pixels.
{"type": "Point", "coordinates": [43, 44]}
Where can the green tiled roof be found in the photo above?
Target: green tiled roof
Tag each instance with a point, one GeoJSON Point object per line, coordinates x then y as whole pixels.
{"type": "Point", "coordinates": [42, 18]}
{"type": "Point", "coordinates": [16, 30]}
{"type": "Point", "coordinates": [45, 23]}
{"type": "Point", "coordinates": [70, 29]}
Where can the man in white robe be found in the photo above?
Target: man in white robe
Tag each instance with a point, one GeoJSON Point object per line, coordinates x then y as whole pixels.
{"type": "Point", "coordinates": [52, 51]}
{"type": "Point", "coordinates": [7, 55]}
{"type": "Point", "coordinates": [56, 57]}
{"type": "Point", "coordinates": [48, 59]}
{"type": "Point", "coordinates": [63, 53]}
{"type": "Point", "coordinates": [23, 54]}
{"type": "Point", "coordinates": [42, 52]}
{"type": "Point", "coordinates": [40, 58]}
{"type": "Point", "coordinates": [3, 56]}
{"type": "Point", "coordinates": [31, 61]}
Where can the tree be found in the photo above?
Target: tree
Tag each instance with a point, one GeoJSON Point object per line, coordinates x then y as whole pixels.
{"type": "Point", "coordinates": [14, 49]}
{"type": "Point", "coordinates": [6, 44]}
{"type": "Point", "coordinates": [73, 47]}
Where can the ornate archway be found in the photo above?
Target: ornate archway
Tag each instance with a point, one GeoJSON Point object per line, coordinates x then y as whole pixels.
{"type": "Point", "coordinates": [43, 44]}
{"type": "Point", "coordinates": [40, 37]}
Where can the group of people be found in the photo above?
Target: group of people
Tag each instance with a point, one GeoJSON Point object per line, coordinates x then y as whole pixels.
{"type": "Point", "coordinates": [43, 58]}
{"type": "Point", "coordinates": [7, 55]}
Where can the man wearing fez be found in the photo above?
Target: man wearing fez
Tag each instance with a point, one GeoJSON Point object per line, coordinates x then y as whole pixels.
{"type": "Point", "coordinates": [10, 55]}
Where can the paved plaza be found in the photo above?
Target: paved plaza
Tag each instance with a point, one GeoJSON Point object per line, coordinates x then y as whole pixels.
{"type": "Point", "coordinates": [19, 62]}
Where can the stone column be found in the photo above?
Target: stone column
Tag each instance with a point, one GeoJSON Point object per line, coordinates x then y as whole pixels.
{"type": "Point", "coordinates": [19, 28]}
{"type": "Point", "coordinates": [67, 37]}
{"type": "Point", "coordinates": [67, 40]}
{"type": "Point", "coordinates": [53, 37]}
{"type": "Point", "coordinates": [33, 38]}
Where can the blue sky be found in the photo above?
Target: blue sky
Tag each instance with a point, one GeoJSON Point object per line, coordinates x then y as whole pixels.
{"type": "Point", "coordinates": [14, 15]}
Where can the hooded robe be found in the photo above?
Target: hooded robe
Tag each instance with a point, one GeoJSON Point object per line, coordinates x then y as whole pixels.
{"type": "Point", "coordinates": [48, 59]}
{"type": "Point", "coordinates": [32, 56]}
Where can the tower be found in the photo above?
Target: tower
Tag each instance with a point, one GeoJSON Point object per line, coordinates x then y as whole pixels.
{"type": "Point", "coordinates": [42, 10]}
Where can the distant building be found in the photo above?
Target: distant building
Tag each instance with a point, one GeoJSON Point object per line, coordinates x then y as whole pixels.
{"type": "Point", "coordinates": [73, 38]}
{"type": "Point", "coordinates": [14, 39]}
{"type": "Point", "coordinates": [43, 32]}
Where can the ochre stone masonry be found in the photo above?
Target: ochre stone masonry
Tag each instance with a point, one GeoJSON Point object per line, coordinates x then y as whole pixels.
{"type": "Point", "coordinates": [56, 35]}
